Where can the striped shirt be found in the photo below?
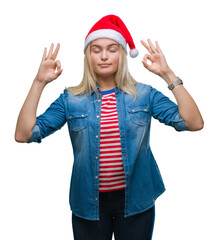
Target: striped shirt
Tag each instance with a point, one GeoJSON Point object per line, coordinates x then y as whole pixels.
{"type": "Point", "coordinates": [111, 171]}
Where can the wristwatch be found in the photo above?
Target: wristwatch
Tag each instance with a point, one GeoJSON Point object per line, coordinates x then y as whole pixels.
{"type": "Point", "coordinates": [177, 82]}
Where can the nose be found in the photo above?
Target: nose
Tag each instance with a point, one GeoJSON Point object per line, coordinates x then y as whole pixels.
{"type": "Point", "coordinates": [104, 55]}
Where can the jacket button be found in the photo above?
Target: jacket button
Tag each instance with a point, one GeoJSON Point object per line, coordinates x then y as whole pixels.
{"type": "Point", "coordinates": [70, 117]}
{"type": "Point", "coordinates": [127, 174]}
{"type": "Point", "coordinates": [123, 133]}
{"type": "Point", "coordinates": [96, 198]}
{"type": "Point", "coordinates": [124, 154]}
{"type": "Point", "coordinates": [96, 177]}
{"type": "Point", "coordinates": [98, 116]}
{"type": "Point", "coordinates": [127, 195]}
{"type": "Point", "coordinates": [96, 136]}
{"type": "Point", "coordinates": [118, 99]}
{"type": "Point", "coordinates": [96, 157]}
{"type": "Point", "coordinates": [82, 115]}
{"type": "Point", "coordinates": [120, 114]}
{"type": "Point", "coordinates": [99, 100]}
{"type": "Point", "coordinates": [133, 110]}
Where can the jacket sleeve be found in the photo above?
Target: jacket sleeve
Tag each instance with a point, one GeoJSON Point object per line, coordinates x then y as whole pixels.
{"type": "Point", "coordinates": [166, 111]}
{"type": "Point", "coordinates": [53, 119]}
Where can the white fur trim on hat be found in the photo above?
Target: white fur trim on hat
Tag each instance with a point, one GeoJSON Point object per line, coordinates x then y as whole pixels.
{"type": "Point", "coordinates": [106, 33]}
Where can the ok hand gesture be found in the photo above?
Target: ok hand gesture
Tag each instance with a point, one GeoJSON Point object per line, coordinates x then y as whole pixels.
{"type": "Point", "coordinates": [48, 65]}
{"type": "Point", "coordinates": [158, 65]}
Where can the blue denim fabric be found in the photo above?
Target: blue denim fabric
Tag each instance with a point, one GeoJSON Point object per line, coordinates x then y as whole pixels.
{"type": "Point", "coordinates": [144, 183]}
{"type": "Point", "coordinates": [112, 204]}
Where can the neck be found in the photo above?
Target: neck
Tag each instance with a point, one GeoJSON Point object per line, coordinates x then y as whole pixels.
{"type": "Point", "coordinates": [106, 83]}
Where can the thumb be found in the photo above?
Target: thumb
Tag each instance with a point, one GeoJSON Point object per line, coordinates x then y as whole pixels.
{"type": "Point", "coordinates": [58, 73]}
{"type": "Point", "coordinates": [147, 56]}
{"type": "Point", "coordinates": [59, 70]}
{"type": "Point", "coordinates": [58, 64]}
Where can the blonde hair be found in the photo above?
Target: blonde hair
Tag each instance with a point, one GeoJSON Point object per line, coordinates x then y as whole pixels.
{"type": "Point", "coordinates": [123, 78]}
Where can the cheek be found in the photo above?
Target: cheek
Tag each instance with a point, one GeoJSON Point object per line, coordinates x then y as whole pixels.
{"type": "Point", "coordinates": [93, 62]}
{"type": "Point", "coordinates": [116, 61]}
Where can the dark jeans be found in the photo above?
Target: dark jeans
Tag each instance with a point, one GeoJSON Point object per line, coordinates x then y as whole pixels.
{"type": "Point", "coordinates": [136, 227]}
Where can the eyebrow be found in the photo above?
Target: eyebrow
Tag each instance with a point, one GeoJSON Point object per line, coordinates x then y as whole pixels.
{"type": "Point", "coordinates": [95, 45]}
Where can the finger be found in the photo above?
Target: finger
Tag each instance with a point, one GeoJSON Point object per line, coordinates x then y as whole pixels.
{"type": "Point", "coordinates": [50, 51]}
{"type": "Point", "coordinates": [158, 47]}
{"type": "Point", "coordinates": [58, 64]}
{"type": "Point", "coordinates": [152, 46]}
{"type": "Point", "coordinates": [56, 52]}
{"type": "Point", "coordinates": [58, 73]}
{"type": "Point", "coordinates": [147, 57]}
{"type": "Point", "coordinates": [146, 46]}
{"type": "Point", "coordinates": [44, 54]}
{"type": "Point", "coordinates": [146, 65]}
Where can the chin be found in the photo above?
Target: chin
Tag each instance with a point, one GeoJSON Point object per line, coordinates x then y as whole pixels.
{"type": "Point", "coordinates": [106, 74]}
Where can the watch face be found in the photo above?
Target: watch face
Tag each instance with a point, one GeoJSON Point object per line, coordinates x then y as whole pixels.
{"type": "Point", "coordinates": [171, 86]}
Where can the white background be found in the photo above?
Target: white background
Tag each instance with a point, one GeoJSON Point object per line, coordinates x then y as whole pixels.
{"type": "Point", "coordinates": [35, 178]}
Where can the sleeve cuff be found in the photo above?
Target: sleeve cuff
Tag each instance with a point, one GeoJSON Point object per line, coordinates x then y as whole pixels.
{"type": "Point", "coordinates": [179, 123]}
{"type": "Point", "coordinates": [36, 135]}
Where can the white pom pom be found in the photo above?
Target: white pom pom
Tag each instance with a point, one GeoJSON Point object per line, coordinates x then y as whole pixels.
{"type": "Point", "coordinates": [133, 53]}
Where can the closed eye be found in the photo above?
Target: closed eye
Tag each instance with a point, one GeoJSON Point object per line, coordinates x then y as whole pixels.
{"type": "Point", "coordinates": [96, 51]}
{"type": "Point", "coordinates": [113, 50]}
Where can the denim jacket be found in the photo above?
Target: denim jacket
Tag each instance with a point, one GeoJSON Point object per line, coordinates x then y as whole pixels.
{"type": "Point", "coordinates": [144, 183]}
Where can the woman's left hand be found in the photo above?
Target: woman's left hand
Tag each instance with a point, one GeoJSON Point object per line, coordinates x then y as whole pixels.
{"type": "Point", "coordinates": [159, 64]}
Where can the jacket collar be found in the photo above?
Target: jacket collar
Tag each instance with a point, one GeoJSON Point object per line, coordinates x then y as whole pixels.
{"type": "Point", "coordinates": [117, 89]}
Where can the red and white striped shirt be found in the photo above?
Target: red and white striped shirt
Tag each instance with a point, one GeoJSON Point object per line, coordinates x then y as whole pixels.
{"type": "Point", "coordinates": [111, 171]}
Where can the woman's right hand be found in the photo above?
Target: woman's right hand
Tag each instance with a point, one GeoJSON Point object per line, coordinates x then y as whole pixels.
{"type": "Point", "coordinates": [48, 66]}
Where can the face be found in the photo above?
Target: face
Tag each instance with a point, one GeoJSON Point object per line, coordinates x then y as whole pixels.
{"type": "Point", "coordinates": [105, 57]}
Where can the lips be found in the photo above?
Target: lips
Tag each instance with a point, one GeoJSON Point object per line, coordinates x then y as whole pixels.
{"type": "Point", "coordinates": [104, 65]}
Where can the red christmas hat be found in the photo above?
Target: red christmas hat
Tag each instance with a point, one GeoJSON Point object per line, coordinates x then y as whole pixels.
{"type": "Point", "coordinates": [112, 27]}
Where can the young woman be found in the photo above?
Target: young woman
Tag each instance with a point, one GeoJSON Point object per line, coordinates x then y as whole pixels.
{"type": "Point", "coordinates": [115, 179]}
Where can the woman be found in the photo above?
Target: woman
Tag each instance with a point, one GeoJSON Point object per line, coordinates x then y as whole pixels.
{"type": "Point", "coordinates": [115, 179]}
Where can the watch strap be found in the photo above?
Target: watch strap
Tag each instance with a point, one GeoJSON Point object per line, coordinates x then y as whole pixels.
{"type": "Point", "coordinates": [177, 82]}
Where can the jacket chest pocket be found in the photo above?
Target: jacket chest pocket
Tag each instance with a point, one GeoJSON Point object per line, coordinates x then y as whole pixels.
{"type": "Point", "coordinates": [77, 121]}
{"type": "Point", "coordinates": [140, 114]}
